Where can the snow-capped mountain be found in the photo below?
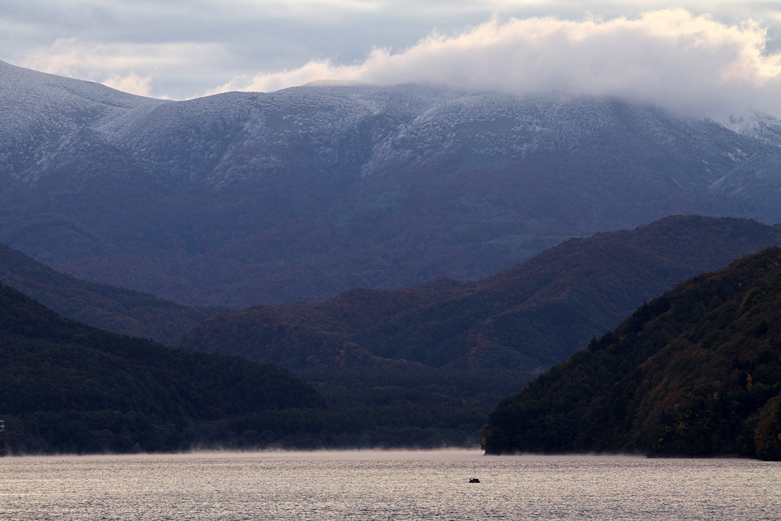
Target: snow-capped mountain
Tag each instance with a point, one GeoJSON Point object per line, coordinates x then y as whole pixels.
{"type": "Point", "coordinates": [243, 198]}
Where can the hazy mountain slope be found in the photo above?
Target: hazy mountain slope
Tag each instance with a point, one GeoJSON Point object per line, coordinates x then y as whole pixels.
{"type": "Point", "coordinates": [696, 372]}
{"type": "Point", "coordinates": [107, 307]}
{"type": "Point", "coordinates": [305, 193]}
{"type": "Point", "coordinates": [67, 387]}
{"type": "Point", "coordinates": [526, 318]}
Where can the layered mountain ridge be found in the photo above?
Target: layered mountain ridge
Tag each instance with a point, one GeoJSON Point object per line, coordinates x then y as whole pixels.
{"type": "Point", "coordinates": [70, 388]}
{"type": "Point", "coordinates": [523, 319]}
{"type": "Point", "coordinates": [115, 309]}
{"type": "Point", "coordinates": [301, 194]}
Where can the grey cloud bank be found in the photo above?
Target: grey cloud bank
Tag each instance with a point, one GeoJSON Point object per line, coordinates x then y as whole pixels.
{"type": "Point", "coordinates": [693, 61]}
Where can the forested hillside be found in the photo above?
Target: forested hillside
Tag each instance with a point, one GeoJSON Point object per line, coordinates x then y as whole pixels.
{"type": "Point", "coordinates": [464, 345]}
{"type": "Point", "coordinates": [69, 388]}
{"type": "Point", "coordinates": [107, 307]}
{"type": "Point", "coordinates": [695, 372]}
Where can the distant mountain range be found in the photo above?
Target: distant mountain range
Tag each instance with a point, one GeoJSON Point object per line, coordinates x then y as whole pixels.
{"type": "Point", "coordinates": [524, 319]}
{"type": "Point", "coordinates": [695, 372]}
{"type": "Point", "coordinates": [301, 194]}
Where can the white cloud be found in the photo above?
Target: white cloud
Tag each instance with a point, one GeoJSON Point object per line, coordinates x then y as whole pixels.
{"type": "Point", "coordinates": [116, 64]}
{"type": "Point", "coordinates": [687, 63]}
{"type": "Point", "coordinates": [131, 83]}
{"type": "Point", "coordinates": [69, 54]}
{"type": "Point", "coordinates": [189, 46]}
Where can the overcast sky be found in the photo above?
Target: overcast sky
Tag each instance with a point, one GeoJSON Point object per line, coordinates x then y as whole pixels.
{"type": "Point", "coordinates": [692, 56]}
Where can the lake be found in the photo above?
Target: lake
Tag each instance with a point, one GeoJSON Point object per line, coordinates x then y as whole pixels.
{"type": "Point", "coordinates": [399, 485]}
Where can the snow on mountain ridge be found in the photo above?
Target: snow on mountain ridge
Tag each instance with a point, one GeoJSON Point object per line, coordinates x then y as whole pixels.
{"type": "Point", "coordinates": [41, 114]}
{"type": "Point", "coordinates": [757, 125]}
{"type": "Point", "coordinates": [304, 192]}
{"type": "Point", "coordinates": [25, 91]}
{"type": "Point", "coordinates": [237, 136]}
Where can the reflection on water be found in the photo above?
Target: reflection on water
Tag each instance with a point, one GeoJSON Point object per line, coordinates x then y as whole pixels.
{"type": "Point", "coordinates": [385, 485]}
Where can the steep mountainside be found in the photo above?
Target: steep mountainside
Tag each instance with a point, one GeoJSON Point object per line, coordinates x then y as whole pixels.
{"type": "Point", "coordinates": [68, 387]}
{"type": "Point", "coordinates": [107, 307]}
{"type": "Point", "coordinates": [304, 193]}
{"type": "Point", "coordinates": [525, 319]}
{"type": "Point", "coordinates": [695, 372]}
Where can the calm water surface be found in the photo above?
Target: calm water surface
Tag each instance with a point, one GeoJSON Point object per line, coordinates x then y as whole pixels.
{"type": "Point", "coordinates": [385, 485]}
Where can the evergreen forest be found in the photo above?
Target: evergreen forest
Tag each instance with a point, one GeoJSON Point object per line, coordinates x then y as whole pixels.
{"type": "Point", "coordinates": [70, 388]}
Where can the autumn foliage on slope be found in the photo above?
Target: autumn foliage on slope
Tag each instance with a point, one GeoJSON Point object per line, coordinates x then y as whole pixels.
{"type": "Point", "coordinates": [695, 372]}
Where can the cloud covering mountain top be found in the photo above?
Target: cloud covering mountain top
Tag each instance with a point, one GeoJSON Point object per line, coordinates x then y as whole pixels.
{"type": "Point", "coordinates": [698, 57]}
{"type": "Point", "coordinates": [692, 65]}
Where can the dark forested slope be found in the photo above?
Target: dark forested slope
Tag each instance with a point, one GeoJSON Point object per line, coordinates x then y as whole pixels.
{"type": "Point", "coordinates": [68, 387]}
{"type": "Point", "coordinates": [695, 372]}
{"type": "Point", "coordinates": [107, 307]}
